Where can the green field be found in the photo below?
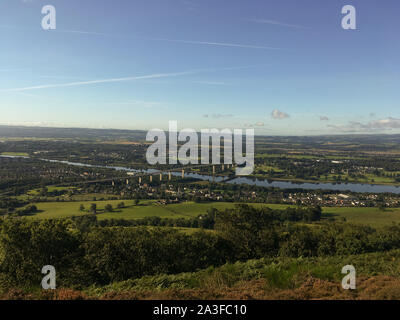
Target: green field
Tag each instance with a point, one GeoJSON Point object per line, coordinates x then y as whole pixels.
{"type": "Point", "coordinates": [370, 216]}
{"type": "Point", "coordinates": [149, 208]}
{"type": "Point", "coordinates": [146, 208]}
{"type": "Point", "coordinates": [34, 193]}
{"type": "Point", "coordinates": [15, 154]}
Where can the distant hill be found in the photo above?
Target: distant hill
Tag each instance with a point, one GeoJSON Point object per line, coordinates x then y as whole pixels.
{"type": "Point", "coordinates": [72, 133]}
{"type": "Point", "coordinates": [350, 141]}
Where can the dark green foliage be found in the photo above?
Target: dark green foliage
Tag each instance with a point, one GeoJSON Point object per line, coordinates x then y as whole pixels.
{"type": "Point", "coordinates": [250, 231]}
{"type": "Point", "coordinates": [84, 223]}
{"type": "Point", "coordinates": [108, 208]}
{"type": "Point", "coordinates": [84, 253]}
{"type": "Point", "coordinates": [28, 246]}
{"type": "Point", "coordinates": [93, 208]}
{"type": "Point", "coordinates": [28, 210]}
{"type": "Point", "coordinates": [114, 254]}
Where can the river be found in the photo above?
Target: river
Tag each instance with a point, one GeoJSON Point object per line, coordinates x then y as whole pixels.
{"type": "Point", "coordinates": [353, 187]}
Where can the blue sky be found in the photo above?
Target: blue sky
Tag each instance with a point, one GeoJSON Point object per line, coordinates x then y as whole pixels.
{"type": "Point", "coordinates": [283, 67]}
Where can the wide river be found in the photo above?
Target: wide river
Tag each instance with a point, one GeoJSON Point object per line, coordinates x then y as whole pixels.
{"type": "Point", "coordinates": [353, 187]}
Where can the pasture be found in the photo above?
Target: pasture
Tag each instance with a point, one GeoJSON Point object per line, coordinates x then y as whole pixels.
{"type": "Point", "coordinates": [368, 216]}
{"type": "Point", "coordinates": [149, 208]}
{"type": "Point", "coordinates": [146, 208]}
{"type": "Point", "coordinates": [15, 154]}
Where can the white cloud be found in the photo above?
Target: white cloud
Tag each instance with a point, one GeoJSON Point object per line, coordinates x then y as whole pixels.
{"type": "Point", "coordinates": [251, 125]}
{"type": "Point", "coordinates": [388, 123]}
{"type": "Point", "coordinates": [276, 114]}
{"type": "Point", "coordinates": [323, 118]}
{"type": "Point", "coordinates": [372, 126]}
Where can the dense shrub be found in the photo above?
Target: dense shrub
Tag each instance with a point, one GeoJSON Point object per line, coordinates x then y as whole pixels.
{"type": "Point", "coordinates": [114, 254]}
{"type": "Point", "coordinates": [27, 246]}
{"type": "Point", "coordinates": [84, 253]}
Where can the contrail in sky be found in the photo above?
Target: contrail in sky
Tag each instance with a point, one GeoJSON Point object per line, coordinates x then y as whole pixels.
{"type": "Point", "coordinates": [111, 80]}
{"type": "Point", "coordinates": [277, 23]}
{"type": "Point", "coordinates": [208, 43]}
{"type": "Point", "coordinates": [84, 83]}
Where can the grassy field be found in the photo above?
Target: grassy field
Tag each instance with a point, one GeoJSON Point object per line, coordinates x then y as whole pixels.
{"type": "Point", "coordinates": [36, 192]}
{"type": "Point", "coordinates": [371, 216]}
{"type": "Point", "coordinates": [15, 154]}
{"type": "Point", "coordinates": [146, 208]}
{"type": "Point", "coordinates": [268, 168]}
{"type": "Point", "coordinates": [31, 194]}
{"type": "Point", "coordinates": [149, 208]}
